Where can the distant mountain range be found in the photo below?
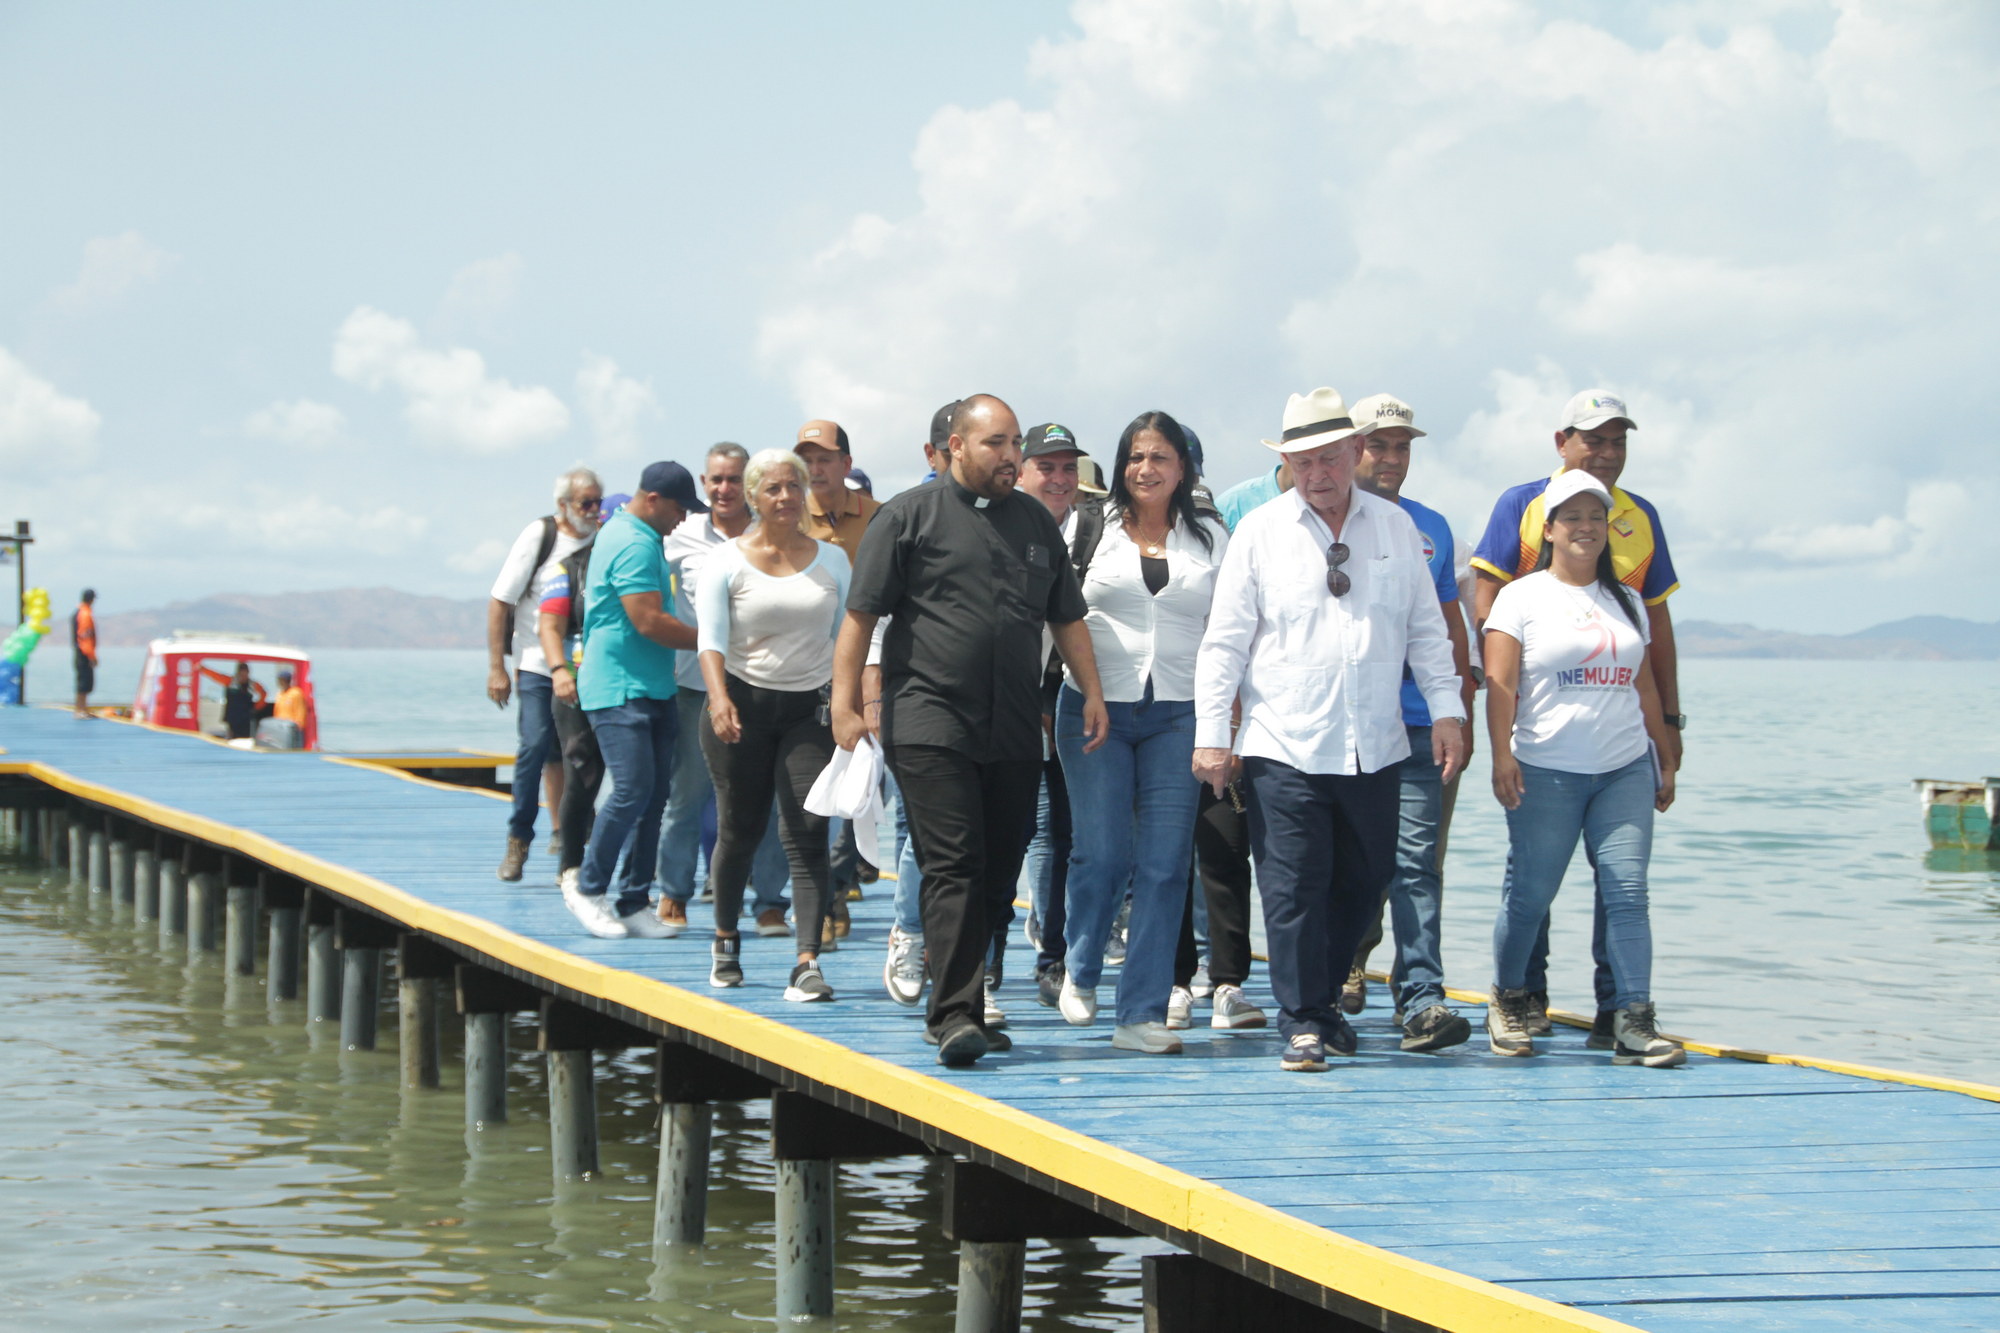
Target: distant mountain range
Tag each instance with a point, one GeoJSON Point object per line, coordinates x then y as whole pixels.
{"type": "Point", "coordinates": [386, 618]}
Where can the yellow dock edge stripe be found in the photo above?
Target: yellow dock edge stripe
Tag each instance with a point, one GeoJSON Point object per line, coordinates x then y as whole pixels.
{"type": "Point", "coordinates": [391, 770]}
{"type": "Point", "coordinates": [1420, 1291]}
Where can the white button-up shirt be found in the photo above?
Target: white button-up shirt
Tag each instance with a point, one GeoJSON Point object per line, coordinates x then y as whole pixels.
{"type": "Point", "coordinates": [686, 547]}
{"type": "Point", "coordinates": [1136, 634]}
{"type": "Point", "coordinates": [1321, 676]}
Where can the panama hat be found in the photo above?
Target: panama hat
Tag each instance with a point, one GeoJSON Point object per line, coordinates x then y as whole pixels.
{"type": "Point", "coordinates": [1313, 419]}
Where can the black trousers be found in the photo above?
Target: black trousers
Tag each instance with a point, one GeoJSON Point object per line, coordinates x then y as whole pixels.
{"type": "Point", "coordinates": [583, 774]}
{"type": "Point", "coordinates": [786, 741]}
{"type": "Point", "coordinates": [966, 820]}
{"type": "Point", "coordinates": [1222, 859]}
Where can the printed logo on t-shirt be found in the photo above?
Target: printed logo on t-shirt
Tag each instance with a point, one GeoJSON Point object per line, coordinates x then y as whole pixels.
{"type": "Point", "coordinates": [1430, 547]}
{"type": "Point", "coordinates": [1605, 675]}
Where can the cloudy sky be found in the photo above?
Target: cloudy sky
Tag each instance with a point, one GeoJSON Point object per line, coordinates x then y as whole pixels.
{"type": "Point", "coordinates": [302, 297]}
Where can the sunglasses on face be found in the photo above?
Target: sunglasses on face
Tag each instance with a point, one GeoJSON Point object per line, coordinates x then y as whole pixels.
{"type": "Point", "coordinates": [586, 505]}
{"type": "Point", "coordinates": [1337, 581]}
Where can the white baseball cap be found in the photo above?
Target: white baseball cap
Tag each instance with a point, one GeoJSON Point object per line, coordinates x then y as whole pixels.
{"type": "Point", "coordinates": [1568, 485]}
{"type": "Point", "coordinates": [1381, 411]}
{"type": "Point", "coordinates": [1592, 408]}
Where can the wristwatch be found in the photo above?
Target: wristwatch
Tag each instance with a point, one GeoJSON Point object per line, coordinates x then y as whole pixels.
{"type": "Point", "coordinates": [1678, 721]}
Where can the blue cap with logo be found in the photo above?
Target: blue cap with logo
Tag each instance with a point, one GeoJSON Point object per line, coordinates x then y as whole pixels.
{"type": "Point", "coordinates": [673, 481]}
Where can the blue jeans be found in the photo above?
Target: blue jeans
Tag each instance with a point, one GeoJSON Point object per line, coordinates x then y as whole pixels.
{"type": "Point", "coordinates": [1613, 814]}
{"type": "Point", "coordinates": [1416, 893]}
{"type": "Point", "coordinates": [909, 880]}
{"type": "Point", "coordinates": [680, 834]}
{"type": "Point", "coordinates": [1132, 807]}
{"type": "Point", "coordinates": [536, 697]}
{"type": "Point", "coordinates": [637, 740]}
{"type": "Point", "coordinates": [1048, 865]}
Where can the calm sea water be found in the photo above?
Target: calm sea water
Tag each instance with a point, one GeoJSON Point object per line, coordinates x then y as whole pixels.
{"type": "Point", "coordinates": [173, 1153]}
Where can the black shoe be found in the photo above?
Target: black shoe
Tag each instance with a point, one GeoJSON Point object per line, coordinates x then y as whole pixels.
{"type": "Point", "coordinates": [1434, 1028]}
{"type": "Point", "coordinates": [1601, 1037]}
{"type": "Point", "coordinates": [1354, 992]}
{"type": "Point", "coordinates": [1537, 1023]}
{"type": "Point", "coordinates": [724, 971]}
{"type": "Point", "coordinates": [960, 1044]}
{"type": "Point", "coordinates": [1339, 1037]}
{"type": "Point", "coordinates": [807, 985]}
{"type": "Point", "coordinates": [1048, 984]}
{"type": "Point", "coordinates": [996, 1040]}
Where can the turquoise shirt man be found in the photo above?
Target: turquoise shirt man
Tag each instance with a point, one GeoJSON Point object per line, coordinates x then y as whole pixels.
{"type": "Point", "coordinates": [619, 663]}
{"type": "Point", "coordinates": [1245, 496]}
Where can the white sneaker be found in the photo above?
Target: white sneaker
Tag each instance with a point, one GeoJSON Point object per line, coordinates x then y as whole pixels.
{"type": "Point", "coordinates": [1180, 1008]}
{"type": "Point", "coordinates": [1078, 1005]}
{"type": "Point", "coordinates": [1233, 1011]}
{"type": "Point", "coordinates": [903, 974]}
{"type": "Point", "coordinates": [1152, 1038]}
{"type": "Point", "coordinates": [593, 910]}
{"type": "Point", "coordinates": [1201, 988]}
{"type": "Point", "coordinates": [643, 923]}
{"type": "Point", "coordinates": [996, 1017]}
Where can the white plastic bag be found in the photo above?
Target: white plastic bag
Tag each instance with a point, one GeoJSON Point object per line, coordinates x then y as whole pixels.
{"type": "Point", "coordinates": [850, 788]}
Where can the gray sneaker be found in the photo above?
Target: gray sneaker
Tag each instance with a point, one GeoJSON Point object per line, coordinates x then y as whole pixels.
{"type": "Point", "coordinates": [1639, 1040]}
{"type": "Point", "coordinates": [1506, 1023]}
{"type": "Point", "coordinates": [1114, 946]}
{"type": "Point", "coordinates": [1434, 1028]}
{"type": "Point", "coordinates": [725, 968]}
{"type": "Point", "coordinates": [1233, 1011]}
{"type": "Point", "coordinates": [1538, 1024]}
{"type": "Point", "coordinates": [903, 973]}
{"type": "Point", "coordinates": [1180, 1008]}
{"type": "Point", "coordinates": [995, 1017]}
{"type": "Point", "coordinates": [807, 985]}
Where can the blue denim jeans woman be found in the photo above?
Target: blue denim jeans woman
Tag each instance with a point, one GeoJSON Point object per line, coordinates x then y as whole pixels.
{"type": "Point", "coordinates": [1132, 809]}
{"type": "Point", "coordinates": [1612, 813]}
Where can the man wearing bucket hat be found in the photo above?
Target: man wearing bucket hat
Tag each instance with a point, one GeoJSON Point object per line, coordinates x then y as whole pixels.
{"type": "Point", "coordinates": [1415, 892]}
{"type": "Point", "coordinates": [1323, 596]}
{"type": "Point", "coordinates": [1591, 438]}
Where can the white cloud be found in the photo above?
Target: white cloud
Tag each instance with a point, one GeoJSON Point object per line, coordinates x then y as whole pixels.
{"type": "Point", "coordinates": [112, 266]}
{"type": "Point", "coordinates": [615, 404]}
{"type": "Point", "coordinates": [482, 559]}
{"type": "Point", "coordinates": [1758, 229]}
{"type": "Point", "coordinates": [258, 521]}
{"type": "Point", "coordinates": [41, 428]}
{"type": "Point", "coordinates": [481, 292]}
{"type": "Point", "coordinates": [450, 400]}
{"type": "Point", "coordinates": [303, 424]}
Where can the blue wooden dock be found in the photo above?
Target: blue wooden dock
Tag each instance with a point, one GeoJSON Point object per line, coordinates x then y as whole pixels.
{"type": "Point", "coordinates": [1464, 1191]}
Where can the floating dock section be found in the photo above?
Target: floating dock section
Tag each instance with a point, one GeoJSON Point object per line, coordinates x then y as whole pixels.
{"type": "Point", "coordinates": [1396, 1192]}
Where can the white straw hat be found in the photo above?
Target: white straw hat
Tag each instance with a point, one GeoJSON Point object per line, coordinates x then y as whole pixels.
{"type": "Point", "coordinates": [1313, 419]}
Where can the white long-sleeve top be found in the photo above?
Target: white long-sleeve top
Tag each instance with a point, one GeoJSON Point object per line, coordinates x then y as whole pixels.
{"type": "Point", "coordinates": [775, 631]}
{"type": "Point", "coordinates": [1321, 676]}
{"type": "Point", "coordinates": [1136, 634]}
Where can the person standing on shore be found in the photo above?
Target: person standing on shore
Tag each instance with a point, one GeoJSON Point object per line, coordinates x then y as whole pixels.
{"type": "Point", "coordinates": [1415, 896]}
{"type": "Point", "coordinates": [626, 687]}
{"type": "Point", "coordinates": [972, 572]}
{"type": "Point", "coordinates": [1322, 598]}
{"type": "Point", "coordinates": [510, 629]}
{"type": "Point", "coordinates": [771, 602]}
{"type": "Point", "coordinates": [1571, 709]}
{"type": "Point", "coordinates": [83, 639]}
{"type": "Point", "coordinates": [687, 550]}
{"type": "Point", "coordinates": [1596, 426]}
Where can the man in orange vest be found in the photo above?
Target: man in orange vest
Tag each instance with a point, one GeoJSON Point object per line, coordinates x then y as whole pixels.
{"type": "Point", "coordinates": [83, 634]}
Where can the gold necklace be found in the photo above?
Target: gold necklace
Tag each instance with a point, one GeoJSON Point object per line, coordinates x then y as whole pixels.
{"type": "Point", "coordinates": [1147, 545]}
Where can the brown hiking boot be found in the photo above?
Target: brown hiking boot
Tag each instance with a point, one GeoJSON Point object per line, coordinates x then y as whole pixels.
{"type": "Point", "coordinates": [673, 915]}
{"type": "Point", "coordinates": [829, 941]}
{"type": "Point", "coordinates": [842, 924]}
{"type": "Point", "coordinates": [516, 857]}
{"type": "Point", "coordinates": [771, 923]}
{"type": "Point", "coordinates": [1354, 994]}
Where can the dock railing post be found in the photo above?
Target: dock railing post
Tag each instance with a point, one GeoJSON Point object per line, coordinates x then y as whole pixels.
{"type": "Point", "coordinates": [486, 998]}
{"type": "Point", "coordinates": [322, 960]}
{"type": "Point", "coordinates": [687, 1083]}
{"type": "Point", "coordinates": [420, 964]}
{"type": "Point", "coordinates": [286, 900]}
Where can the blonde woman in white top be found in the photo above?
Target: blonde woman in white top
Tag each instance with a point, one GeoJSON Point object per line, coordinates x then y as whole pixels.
{"type": "Point", "coordinates": [768, 606]}
{"type": "Point", "coordinates": [1133, 801]}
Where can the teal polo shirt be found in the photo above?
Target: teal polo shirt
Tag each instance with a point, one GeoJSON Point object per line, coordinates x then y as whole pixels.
{"type": "Point", "coordinates": [619, 663]}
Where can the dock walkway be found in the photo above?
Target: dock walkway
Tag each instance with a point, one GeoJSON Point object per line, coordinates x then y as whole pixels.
{"type": "Point", "coordinates": [1461, 1191]}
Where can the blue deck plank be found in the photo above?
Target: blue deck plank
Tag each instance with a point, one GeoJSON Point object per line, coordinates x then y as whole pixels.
{"type": "Point", "coordinates": [1726, 1195]}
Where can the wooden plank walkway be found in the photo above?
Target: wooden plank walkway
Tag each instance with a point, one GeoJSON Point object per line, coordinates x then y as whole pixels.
{"type": "Point", "coordinates": [1464, 1191]}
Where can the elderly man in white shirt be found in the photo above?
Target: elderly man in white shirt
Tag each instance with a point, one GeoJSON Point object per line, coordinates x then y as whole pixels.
{"type": "Point", "coordinates": [1323, 596]}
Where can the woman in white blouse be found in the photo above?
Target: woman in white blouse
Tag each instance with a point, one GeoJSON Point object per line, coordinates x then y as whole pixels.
{"type": "Point", "coordinates": [768, 606]}
{"type": "Point", "coordinates": [1570, 709]}
{"type": "Point", "coordinates": [1133, 801]}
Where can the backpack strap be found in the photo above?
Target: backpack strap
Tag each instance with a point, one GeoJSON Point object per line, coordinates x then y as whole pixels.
{"type": "Point", "coordinates": [542, 550]}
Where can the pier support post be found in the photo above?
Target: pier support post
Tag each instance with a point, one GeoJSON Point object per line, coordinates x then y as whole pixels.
{"type": "Point", "coordinates": [486, 998]}
{"type": "Point", "coordinates": [204, 890]}
{"type": "Point", "coordinates": [686, 1081]}
{"type": "Point", "coordinates": [59, 840]}
{"type": "Point", "coordinates": [420, 964]}
{"type": "Point", "coordinates": [124, 880]}
{"type": "Point", "coordinates": [989, 1286]}
{"type": "Point", "coordinates": [99, 854]}
{"type": "Point", "coordinates": [992, 1215]}
{"type": "Point", "coordinates": [34, 833]}
{"type": "Point", "coordinates": [239, 933]}
{"type": "Point", "coordinates": [173, 895]}
{"type": "Point", "coordinates": [570, 1035]}
{"type": "Point", "coordinates": [286, 900]}
{"type": "Point", "coordinates": [322, 961]}
{"type": "Point", "coordinates": [146, 878]}
{"type": "Point", "coordinates": [361, 939]}
{"type": "Point", "coordinates": [77, 854]}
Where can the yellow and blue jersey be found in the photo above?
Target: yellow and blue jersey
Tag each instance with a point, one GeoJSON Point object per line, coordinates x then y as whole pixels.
{"type": "Point", "coordinates": [1513, 540]}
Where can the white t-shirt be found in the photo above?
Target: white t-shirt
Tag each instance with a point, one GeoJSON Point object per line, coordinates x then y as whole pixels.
{"type": "Point", "coordinates": [775, 631]}
{"type": "Point", "coordinates": [1580, 661]}
{"type": "Point", "coordinates": [521, 584]}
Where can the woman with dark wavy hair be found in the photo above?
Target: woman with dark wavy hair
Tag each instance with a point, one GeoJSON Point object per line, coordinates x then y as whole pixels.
{"type": "Point", "coordinates": [1133, 801]}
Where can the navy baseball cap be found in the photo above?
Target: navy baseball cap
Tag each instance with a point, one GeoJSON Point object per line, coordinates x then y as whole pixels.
{"type": "Point", "coordinates": [1194, 448]}
{"type": "Point", "coordinates": [941, 424]}
{"type": "Point", "coordinates": [1050, 439]}
{"type": "Point", "coordinates": [672, 480]}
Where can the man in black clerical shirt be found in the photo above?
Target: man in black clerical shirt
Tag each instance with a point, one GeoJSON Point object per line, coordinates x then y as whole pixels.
{"type": "Point", "coordinates": [970, 572]}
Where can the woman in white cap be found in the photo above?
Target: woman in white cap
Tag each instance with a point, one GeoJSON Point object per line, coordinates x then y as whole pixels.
{"type": "Point", "coordinates": [768, 605]}
{"type": "Point", "coordinates": [1577, 732]}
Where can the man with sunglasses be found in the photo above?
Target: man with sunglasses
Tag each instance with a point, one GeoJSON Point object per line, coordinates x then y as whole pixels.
{"type": "Point", "coordinates": [535, 558]}
{"type": "Point", "coordinates": [1322, 598]}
